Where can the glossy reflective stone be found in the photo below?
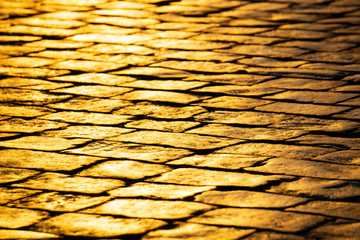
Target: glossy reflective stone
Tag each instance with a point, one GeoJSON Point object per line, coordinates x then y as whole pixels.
{"type": "Point", "coordinates": [194, 176]}
{"type": "Point", "coordinates": [43, 160]}
{"type": "Point", "coordinates": [309, 169]}
{"type": "Point", "coordinates": [242, 198]}
{"type": "Point", "coordinates": [161, 191]}
{"type": "Point", "coordinates": [331, 208]}
{"type": "Point", "coordinates": [317, 187]}
{"type": "Point", "coordinates": [75, 225]}
{"type": "Point", "coordinates": [29, 126]}
{"type": "Point", "coordinates": [180, 140]}
{"type": "Point", "coordinates": [193, 231]}
{"type": "Point", "coordinates": [9, 175]}
{"type": "Point", "coordinates": [229, 102]}
{"type": "Point", "coordinates": [42, 143]}
{"type": "Point", "coordinates": [125, 169]}
{"type": "Point", "coordinates": [144, 208]}
{"type": "Point", "coordinates": [62, 182]}
{"type": "Point", "coordinates": [23, 111]}
{"type": "Point", "coordinates": [259, 218]}
{"type": "Point", "coordinates": [35, 84]}
{"type": "Point", "coordinates": [54, 201]}
{"type": "Point", "coordinates": [225, 161]}
{"type": "Point", "coordinates": [168, 126]}
{"type": "Point", "coordinates": [8, 195]}
{"type": "Point", "coordinates": [21, 234]}
{"type": "Point", "coordinates": [18, 218]}
{"type": "Point", "coordinates": [131, 151]}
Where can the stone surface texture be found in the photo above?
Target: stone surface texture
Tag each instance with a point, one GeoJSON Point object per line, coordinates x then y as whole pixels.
{"type": "Point", "coordinates": [180, 119]}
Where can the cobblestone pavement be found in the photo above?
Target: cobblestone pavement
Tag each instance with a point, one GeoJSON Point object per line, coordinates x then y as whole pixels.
{"type": "Point", "coordinates": [185, 119]}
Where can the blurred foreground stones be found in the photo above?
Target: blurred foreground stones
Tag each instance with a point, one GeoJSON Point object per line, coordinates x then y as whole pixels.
{"type": "Point", "coordinates": [179, 119]}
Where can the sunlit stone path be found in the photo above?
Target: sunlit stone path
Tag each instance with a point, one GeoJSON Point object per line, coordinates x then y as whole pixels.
{"type": "Point", "coordinates": [180, 119]}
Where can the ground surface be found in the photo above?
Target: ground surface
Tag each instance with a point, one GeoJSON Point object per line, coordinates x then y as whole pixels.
{"type": "Point", "coordinates": [191, 119]}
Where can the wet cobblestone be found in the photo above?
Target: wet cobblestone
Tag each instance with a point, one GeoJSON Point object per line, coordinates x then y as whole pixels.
{"type": "Point", "coordinates": [179, 119]}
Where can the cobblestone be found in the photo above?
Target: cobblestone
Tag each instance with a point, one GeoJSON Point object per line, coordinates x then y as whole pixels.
{"type": "Point", "coordinates": [179, 119]}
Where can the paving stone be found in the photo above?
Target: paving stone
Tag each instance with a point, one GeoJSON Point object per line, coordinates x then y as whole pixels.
{"type": "Point", "coordinates": [29, 96]}
{"type": "Point", "coordinates": [185, 44]}
{"type": "Point", "coordinates": [193, 231]}
{"type": "Point", "coordinates": [229, 102]}
{"type": "Point", "coordinates": [341, 229]}
{"type": "Point", "coordinates": [317, 46]}
{"type": "Point", "coordinates": [126, 5]}
{"type": "Point", "coordinates": [153, 71]}
{"type": "Point", "coordinates": [9, 175]}
{"type": "Point", "coordinates": [66, 15]}
{"type": "Point", "coordinates": [23, 111]}
{"type": "Point", "coordinates": [297, 34]}
{"type": "Point", "coordinates": [33, 84]}
{"type": "Point", "coordinates": [300, 83]}
{"type": "Point", "coordinates": [183, 26]}
{"type": "Point", "coordinates": [269, 62]}
{"type": "Point", "coordinates": [98, 78]}
{"type": "Point", "coordinates": [124, 169]}
{"type": "Point", "coordinates": [204, 66]}
{"type": "Point", "coordinates": [17, 218]}
{"type": "Point", "coordinates": [92, 132]}
{"type": "Point", "coordinates": [307, 168]}
{"type": "Point", "coordinates": [161, 191]}
{"type": "Point", "coordinates": [330, 208]}
{"type": "Point", "coordinates": [131, 151]}
{"type": "Point", "coordinates": [202, 177]}
{"type": "Point", "coordinates": [67, 183]}
{"type": "Point", "coordinates": [89, 104]}
{"type": "Point", "coordinates": [43, 160]}
{"type": "Point", "coordinates": [314, 139]}
{"type": "Point", "coordinates": [115, 48]}
{"type": "Point", "coordinates": [31, 72]}
{"type": "Point", "coordinates": [178, 140]}
{"type": "Point", "coordinates": [235, 38]}
{"type": "Point", "coordinates": [94, 91]}
{"type": "Point", "coordinates": [300, 108]}
{"type": "Point", "coordinates": [74, 2]}
{"type": "Point", "coordinates": [243, 117]}
{"type": "Point", "coordinates": [8, 195]}
{"type": "Point", "coordinates": [236, 79]}
{"type": "Point", "coordinates": [242, 198]}
{"type": "Point", "coordinates": [184, 10]}
{"type": "Point", "coordinates": [87, 66]}
{"type": "Point", "coordinates": [296, 72]}
{"type": "Point", "coordinates": [136, 60]}
{"type": "Point", "coordinates": [85, 117]}
{"type": "Point", "coordinates": [161, 111]}
{"type": "Point", "coordinates": [199, 55]}
{"type": "Point", "coordinates": [39, 31]}
{"type": "Point", "coordinates": [312, 96]}
{"type": "Point", "coordinates": [62, 54]}
{"type": "Point", "coordinates": [311, 26]}
{"type": "Point", "coordinates": [58, 44]}
{"type": "Point", "coordinates": [239, 90]}
{"type": "Point", "coordinates": [266, 51]}
{"type": "Point", "coordinates": [21, 234]}
{"type": "Point", "coordinates": [315, 187]}
{"type": "Point", "coordinates": [351, 102]}
{"type": "Point", "coordinates": [173, 34]}
{"type": "Point", "coordinates": [259, 218]}
{"type": "Point", "coordinates": [135, 13]}
{"type": "Point", "coordinates": [352, 114]}
{"type": "Point", "coordinates": [225, 161]}
{"type": "Point", "coordinates": [160, 96]}
{"type": "Point", "coordinates": [341, 157]}
{"type": "Point", "coordinates": [276, 150]}
{"type": "Point", "coordinates": [272, 134]}
{"type": "Point", "coordinates": [26, 62]}
{"type": "Point", "coordinates": [29, 126]}
{"type": "Point", "coordinates": [331, 57]}
{"type": "Point", "coordinates": [265, 6]}
{"type": "Point", "coordinates": [267, 235]}
{"type": "Point", "coordinates": [168, 126]}
{"type": "Point", "coordinates": [42, 143]}
{"type": "Point", "coordinates": [163, 84]}
{"type": "Point", "coordinates": [76, 225]}
{"type": "Point", "coordinates": [18, 50]}
{"type": "Point", "coordinates": [54, 201]}
{"type": "Point", "coordinates": [317, 124]}
{"type": "Point", "coordinates": [124, 22]}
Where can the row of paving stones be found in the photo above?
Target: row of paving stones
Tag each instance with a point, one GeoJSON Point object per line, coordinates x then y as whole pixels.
{"type": "Point", "coordinates": [156, 119]}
